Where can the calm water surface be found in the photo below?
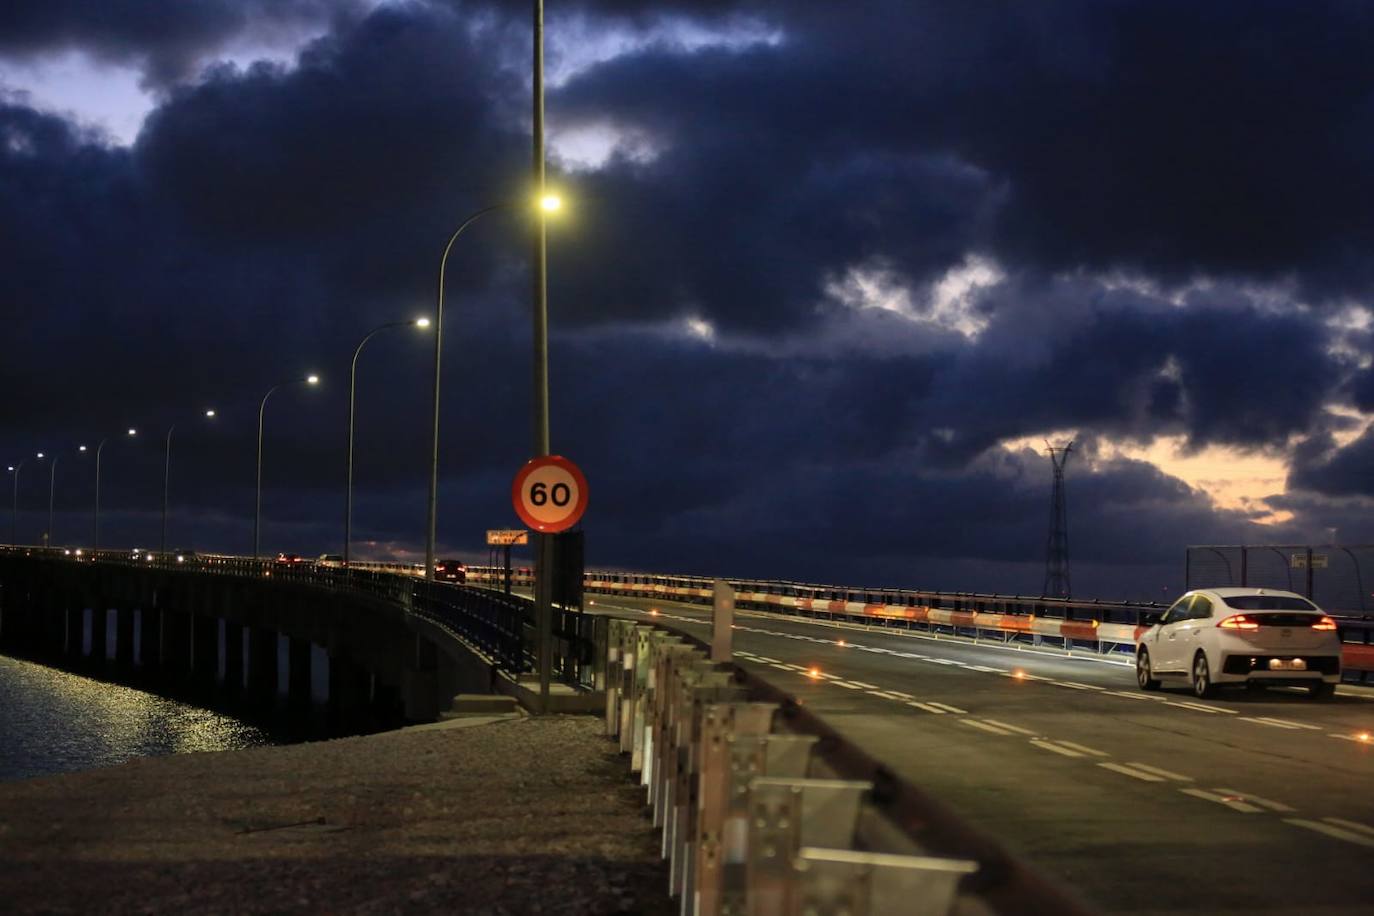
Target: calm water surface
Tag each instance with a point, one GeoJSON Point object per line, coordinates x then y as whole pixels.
{"type": "Point", "coordinates": [55, 722]}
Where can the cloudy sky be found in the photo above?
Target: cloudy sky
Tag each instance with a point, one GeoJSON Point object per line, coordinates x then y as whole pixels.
{"type": "Point", "coordinates": [830, 276]}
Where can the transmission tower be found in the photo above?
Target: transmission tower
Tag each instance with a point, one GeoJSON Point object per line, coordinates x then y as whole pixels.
{"type": "Point", "coordinates": [1057, 553]}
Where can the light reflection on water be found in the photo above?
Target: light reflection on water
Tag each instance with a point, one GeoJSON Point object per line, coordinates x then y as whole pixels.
{"type": "Point", "coordinates": [55, 722]}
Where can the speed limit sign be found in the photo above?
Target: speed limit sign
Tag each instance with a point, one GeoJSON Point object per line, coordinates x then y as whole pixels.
{"type": "Point", "coordinates": [550, 494]}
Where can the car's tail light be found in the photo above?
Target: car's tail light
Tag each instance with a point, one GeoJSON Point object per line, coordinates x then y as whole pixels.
{"type": "Point", "coordinates": [1238, 622]}
{"type": "Point", "coordinates": [1326, 623]}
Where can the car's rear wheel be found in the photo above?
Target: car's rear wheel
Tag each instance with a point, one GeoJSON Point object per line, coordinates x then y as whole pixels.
{"type": "Point", "coordinates": [1322, 691]}
{"type": "Point", "coordinates": [1143, 672]}
{"type": "Point", "coordinates": [1202, 677]}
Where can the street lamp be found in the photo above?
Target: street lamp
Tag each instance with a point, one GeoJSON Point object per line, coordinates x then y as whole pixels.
{"type": "Point", "coordinates": [262, 410]}
{"type": "Point", "coordinates": [52, 492]}
{"type": "Point", "coordinates": [95, 539]}
{"type": "Point", "coordinates": [420, 323]}
{"type": "Point", "coordinates": [547, 203]}
{"type": "Point", "coordinates": [14, 518]}
{"type": "Point", "coordinates": [166, 479]}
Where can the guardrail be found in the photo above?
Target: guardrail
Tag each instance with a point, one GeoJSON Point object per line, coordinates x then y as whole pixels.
{"type": "Point", "coordinates": [765, 810]}
{"type": "Point", "coordinates": [1091, 626]}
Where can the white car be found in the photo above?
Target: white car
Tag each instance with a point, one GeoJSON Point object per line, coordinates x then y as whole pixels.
{"type": "Point", "coordinates": [1252, 636]}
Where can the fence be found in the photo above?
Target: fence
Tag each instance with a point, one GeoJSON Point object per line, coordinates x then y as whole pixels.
{"type": "Point", "coordinates": [1337, 577]}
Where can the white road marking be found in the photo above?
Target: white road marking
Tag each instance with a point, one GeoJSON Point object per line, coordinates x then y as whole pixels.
{"type": "Point", "coordinates": [830, 677]}
{"type": "Point", "coordinates": [1167, 774]}
{"type": "Point", "coordinates": [1233, 804]}
{"type": "Point", "coordinates": [866, 686]}
{"type": "Point", "coordinates": [986, 669]}
{"type": "Point", "coordinates": [780, 666]}
{"type": "Point", "coordinates": [1051, 746]}
{"type": "Point", "coordinates": [1132, 772]}
{"type": "Point", "coordinates": [1349, 836]}
{"type": "Point", "coordinates": [974, 723]}
{"type": "Point", "coordinates": [1073, 686]}
{"type": "Point", "coordinates": [1350, 825]}
{"type": "Point", "coordinates": [1134, 696]}
{"type": "Point", "coordinates": [928, 708]}
{"type": "Point", "coordinates": [764, 658]}
{"type": "Point", "coordinates": [1262, 802]}
{"type": "Point", "coordinates": [1085, 750]}
{"type": "Point", "coordinates": [1195, 707]}
{"type": "Point", "coordinates": [948, 708]}
{"type": "Point", "coordinates": [1012, 728]}
{"type": "Point", "coordinates": [1269, 722]}
{"type": "Point", "coordinates": [904, 696]}
{"type": "Point", "coordinates": [888, 695]}
{"type": "Point", "coordinates": [1290, 723]}
{"type": "Point", "coordinates": [849, 684]}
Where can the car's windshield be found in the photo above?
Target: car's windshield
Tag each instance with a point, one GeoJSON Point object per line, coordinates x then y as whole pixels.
{"type": "Point", "coordinates": [1270, 603]}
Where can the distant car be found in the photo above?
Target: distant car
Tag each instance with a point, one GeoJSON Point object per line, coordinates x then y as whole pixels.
{"type": "Point", "coordinates": [1254, 636]}
{"type": "Point", "coordinates": [330, 559]}
{"type": "Point", "coordinates": [451, 571]}
{"type": "Point", "coordinates": [182, 556]}
{"type": "Point", "coordinates": [288, 559]}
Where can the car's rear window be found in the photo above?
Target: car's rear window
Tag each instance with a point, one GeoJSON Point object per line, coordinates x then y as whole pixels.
{"type": "Point", "coordinates": [1270, 603]}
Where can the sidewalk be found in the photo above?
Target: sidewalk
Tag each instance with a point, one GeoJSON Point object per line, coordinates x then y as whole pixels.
{"type": "Point", "coordinates": [511, 816]}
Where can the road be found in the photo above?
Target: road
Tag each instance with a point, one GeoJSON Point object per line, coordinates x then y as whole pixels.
{"type": "Point", "coordinates": [1145, 802]}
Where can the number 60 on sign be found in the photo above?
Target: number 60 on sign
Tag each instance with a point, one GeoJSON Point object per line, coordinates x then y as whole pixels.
{"type": "Point", "coordinates": [550, 494]}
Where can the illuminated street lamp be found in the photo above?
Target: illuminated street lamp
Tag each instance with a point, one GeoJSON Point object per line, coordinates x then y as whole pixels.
{"type": "Point", "coordinates": [166, 479]}
{"type": "Point", "coordinates": [547, 203]}
{"type": "Point", "coordinates": [52, 492]}
{"type": "Point", "coordinates": [420, 323]}
{"type": "Point", "coordinates": [14, 518]}
{"type": "Point", "coordinates": [262, 410]}
{"type": "Point", "coordinates": [95, 538]}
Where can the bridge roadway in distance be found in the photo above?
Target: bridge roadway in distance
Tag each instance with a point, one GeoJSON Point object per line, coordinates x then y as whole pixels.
{"type": "Point", "coordinates": [1250, 802]}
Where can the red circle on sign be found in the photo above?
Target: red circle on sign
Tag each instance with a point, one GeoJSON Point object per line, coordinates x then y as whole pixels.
{"type": "Point", "coordinates": [549, 494]}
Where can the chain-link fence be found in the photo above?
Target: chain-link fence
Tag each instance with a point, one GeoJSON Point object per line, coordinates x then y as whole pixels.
{"type": "Point", "coordinates": [1337, 577]}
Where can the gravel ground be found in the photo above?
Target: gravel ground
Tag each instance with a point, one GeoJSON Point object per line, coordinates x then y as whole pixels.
{"type": "Point", "coordinates": [515, 816]}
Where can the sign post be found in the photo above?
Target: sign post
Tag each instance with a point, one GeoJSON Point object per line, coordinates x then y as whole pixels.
{"type": "Point", "coordinates": [505, 538]}
{"type": "Point", "coordinates": [722, 621]}
{"type": "Point", "coordinates": [549, 495]}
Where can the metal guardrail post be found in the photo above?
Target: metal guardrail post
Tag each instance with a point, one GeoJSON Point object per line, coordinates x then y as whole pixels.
{"type": "Point", "coordinates": [710, 684]}
{"type": "Point", "coordinates": [786, 815]}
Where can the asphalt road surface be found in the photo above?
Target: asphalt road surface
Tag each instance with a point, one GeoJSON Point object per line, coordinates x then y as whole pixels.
{"type": "Point", "coordinates": [1255, 801]}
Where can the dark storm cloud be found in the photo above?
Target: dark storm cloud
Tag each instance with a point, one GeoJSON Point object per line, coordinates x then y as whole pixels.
{"type": "Point", "coordinates": [166, 39]}
{"type": "Point", "coordinates": [266, 218]}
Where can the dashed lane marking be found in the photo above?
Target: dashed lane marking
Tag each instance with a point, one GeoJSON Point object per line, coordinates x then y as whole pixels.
{"type": "Point", "coordinates": [1134, 696]}
{"type": "Point", "coordinates": [1331, 830]}
{"type": "Point", "coordinates": [928, 708]}
{"type": "Point", "coordinates": [1167, 774]}
{"type": "Point", "coordinates": [1255, 799]}
{"type": "Point", "coordinates": [766, 659]}
{"type": "Point", "coordinates": [1269, 722]}
{"type": "Point", "coordinates": [850, 684]}
{"type": "Point", "coordinates": [1091, 752]}
{"type": "Point", "coordinates": [1132, 772]}
{"type": "Point", "coordinates": [865, 686]}
{"type": "Point", "coordinates": [986, 670]}
{"type": "Point", "coordinates": [904, 696]}
{"type": "Point", "coordinates": [1289, 722]}
{"type": "Point", "coordinates": [1045, 745]}
{"type": "Point", "coordinates": [1235, 804]}
{"type": "Point", "coordinates": [1012, 728]}
{"type": "Point", "coordinates": [1350, 825]}
{"type": "Point", "coordinates": [1073, 686]}
{"type": "Point", "coordinates": [984, 726]}
{"type": "Point", "coordinates": [948, 708]}
{"type": "Point", "coordinates": [1200, 707]}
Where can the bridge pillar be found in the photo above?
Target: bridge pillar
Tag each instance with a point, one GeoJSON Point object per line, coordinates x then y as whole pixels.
{"type": "Point", "coordinates": [149, 639]}
{"type": "Point", "coordinates": [233, 658]}
{"type": "Point", "coordinates": [101, 617]}
{"type": "Point", "coordinates": [419, 682]}
{"type": "Point", "coordinates": [298, 674]}
{"type": "Point", "coordinates": [350, 695]}
{"type": "Point", "coordinates": [204, 650]}
{"type": "Point", "coordinates": [174, 645]}
{"type": "Point", "coordinates": [124, 637]}
{"type": "Point", "coordinates": [262, 666]}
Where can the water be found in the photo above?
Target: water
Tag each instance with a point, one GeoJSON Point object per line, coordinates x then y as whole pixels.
{"type": "Point", "coordinates": [54, 722]}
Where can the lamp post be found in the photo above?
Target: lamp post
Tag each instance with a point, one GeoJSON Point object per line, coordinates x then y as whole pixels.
{"type": "Point", "coordinates": [95, 539]}
{"type": "Point", "coordinates": [543, 543]}
{"type": "Point", "coordinates": [14, 518]}
{"type": "Point", "coordinates": [420, 323]}
{"type": "Point", "coordinates": [438, 353]}
{"type": "Point", "coordinates": [166, 480]}
{"type": "Point", "coordinates": [52, 492]}
{"type": "Point", "coordinates": [262, 410]}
